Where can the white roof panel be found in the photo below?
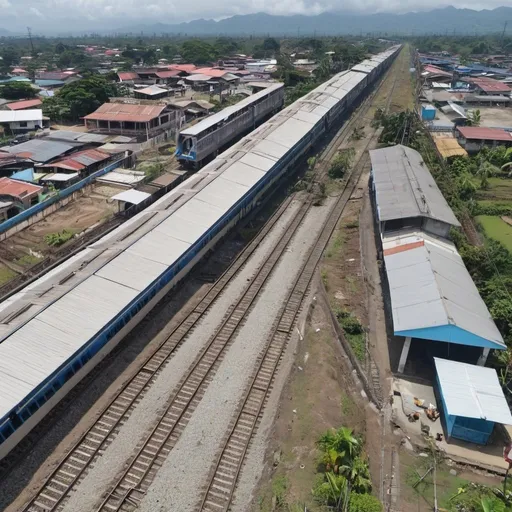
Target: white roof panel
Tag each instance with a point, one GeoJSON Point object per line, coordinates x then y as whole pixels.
{"type": "Point", "coordinates": [243, 174]}
{"type": "Point", "coordinates": [131, 270]}
{"type": "Point", "coordinates": [15, 116]}
{"type": "Point", "coordinates": [198, 212]}
{"type": "Point", "coordinates": [472, 391]}
{"type": "Point", "coordinates": [131, 196]}
{"type": "Point", "coordinates": [269, 148]}
{"type": "Point", "coordinates": [430, 287]}
{"type": "Point", "coordinates": [222, 193]}
{"type": "Point", "coordinates": [263, 163]}
{"type": "Point", "coordinates": [158, 247]}
{"type": "Point", "coordinates": [182, 229]}
{"type": "Point", "coordinates": [290, 132]}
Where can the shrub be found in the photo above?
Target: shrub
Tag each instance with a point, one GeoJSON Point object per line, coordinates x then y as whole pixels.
{"type": "Point", "coordinates": [341, 163]}
{"type": "Point", "coordinates": [364, 503]}
{"type": "Point", "coordinates": [351, 325]}
{"type": "Point", "coordinates": [56, 239]}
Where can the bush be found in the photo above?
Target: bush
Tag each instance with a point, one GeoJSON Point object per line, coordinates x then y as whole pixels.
{"type": "Point", "coordinates": [341, 163]}
{"type": "Point", "coordinates": [56, 239]}
{"type": "Point", "coordinates": [364, 503]}
{"type": "Point", "coordinates": [351, 325]}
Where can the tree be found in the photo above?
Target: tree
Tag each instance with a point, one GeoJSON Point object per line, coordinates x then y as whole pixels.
{"type": "Point", "coordinates": [198, 52]}
{"type": "Point", "coordinates": [341, 163]}
{"type": "Point", "coordinates": [341, 440]}
{"type": "Point", "coordinates": [226, 46]}
{"type": "Point", "coordinates": [10, 56]}
{"type": "Point", "coordinates": [271, 46]}
{"type": "Point", "coordinates": [17, 91]}
{"type": "Point", "coordinates": [466, 186]}
{"type": "Point", "coordinates": [485, 171]}
{"type": "Point", "coordinates": [474, 118]}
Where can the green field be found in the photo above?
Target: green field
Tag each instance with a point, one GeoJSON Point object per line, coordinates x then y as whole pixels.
{"type": "Point", "coordinates": [497, 229]}
{"type": "Point", "coordinates": [500, 189]}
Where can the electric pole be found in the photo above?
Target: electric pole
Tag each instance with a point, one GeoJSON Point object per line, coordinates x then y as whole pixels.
{"type": "Point", "coordinates": [503, 33]}
{"type": "Point", "coordinates": [30, 39]}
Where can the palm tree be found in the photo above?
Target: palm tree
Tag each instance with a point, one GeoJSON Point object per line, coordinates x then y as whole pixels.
{"type": "Point", "coordinates": [357, 474]}
{"type": "Point", "coordinates": [474, 118]}
{"type": "Point", "coordinates": [467, 187]}
{"type": "Point", "coordinates": [486, 170]}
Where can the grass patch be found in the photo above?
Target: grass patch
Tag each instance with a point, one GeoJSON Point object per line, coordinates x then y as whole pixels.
{"type": "Point", "coordinates": [6, 274]}
{"type": "Point", "coordinates": [348, 407]}
{"type": "Point", "coordinates": [336, 245]}
{"type": "Point", "coordinates": [500, 189]}
{"type": "Point", "coordinates": [354, 332]}
{"type": "Point", "coordinates": [59, 238]}
{"type": "Point", "coordinates": [358, 344]}
{"type": "Point", "coordinates": [27, 260]}
{"type": "Point", "coordinates": [497, 229]}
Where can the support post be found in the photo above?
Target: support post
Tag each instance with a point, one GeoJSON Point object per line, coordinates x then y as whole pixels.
{"type": "Point", "coordinates": [405, 353]}
{"type": "Point", "coordinates": [483, 358]}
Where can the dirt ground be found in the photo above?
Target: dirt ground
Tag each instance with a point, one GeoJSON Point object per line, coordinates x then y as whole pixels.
{"type": "Point", "coordinates": [495, 117]}
{"type": "Point", "coordinates": [29, 246]}
{"type": "Point", "coordinates": [320, 394]}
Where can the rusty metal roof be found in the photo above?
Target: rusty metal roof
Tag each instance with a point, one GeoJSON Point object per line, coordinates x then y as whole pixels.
{"type": "Point", "coordinates": [20, 105]}
{"type": "Point", "coordinates": [127, 75]}
{"type": "Point", "coordinates": [81, 160]}
{"type": "Point", "coordinates": [17, 188]}
{"type": "Point", "coordinates": [168, 74]}
{"type": "Point", "coordinates": [480, 133]}
{"type": "Point", "coordinates": [124, 112]}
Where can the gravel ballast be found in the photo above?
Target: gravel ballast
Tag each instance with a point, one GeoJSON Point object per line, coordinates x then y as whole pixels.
{"type": "Point", "coordinates": [96, 482]}
{"type": "Point", "coordinates": [178, 483]}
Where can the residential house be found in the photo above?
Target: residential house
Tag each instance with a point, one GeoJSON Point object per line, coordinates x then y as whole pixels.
{"type": "Point", "coordinates": [474, 138]}
{"type": "Point", "coordinates": [142, 121]}
{"type": "Point", "coordinates": [16, 196]}
{"type": "Point", "coordinates": [24, 104]}
{"type": "Point", "coordinates": [23, 121]}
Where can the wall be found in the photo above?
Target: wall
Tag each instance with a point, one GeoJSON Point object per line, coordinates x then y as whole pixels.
{"type": "Point", "coordinates": [30, 126]}
{"type": "Point", "coordinates": [63, 197]}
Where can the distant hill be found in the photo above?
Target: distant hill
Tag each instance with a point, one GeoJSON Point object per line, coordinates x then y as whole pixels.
{"type": "Point", "coordinates": [438, 21]}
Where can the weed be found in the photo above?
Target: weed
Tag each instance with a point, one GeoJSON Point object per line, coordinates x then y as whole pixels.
{"type": "Point", "coordinates": [323, 274]}
{"type": "Point", "coordinates": [27, 260]}
{"type": "Point", "coordinates": [352, 224]}
{"type": "Point", "coordinates": [59, 238]}
{"type": "Point", "coordinates": [279, 486]}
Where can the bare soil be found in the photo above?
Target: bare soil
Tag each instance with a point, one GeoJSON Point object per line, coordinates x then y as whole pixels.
{"type": "Point", "coordinates": [27, 247]}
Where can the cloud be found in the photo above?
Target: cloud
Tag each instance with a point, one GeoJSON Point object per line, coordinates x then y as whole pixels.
{"type": "Point", "coordinates": [118, 13]}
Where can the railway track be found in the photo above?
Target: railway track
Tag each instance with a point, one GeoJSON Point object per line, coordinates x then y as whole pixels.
{"type": "Point", "coordinates": [136, 479]}
{"type": "Point", "coordinates": [96, 439]}
{"type": "Point", "coordinates": [224, 476]}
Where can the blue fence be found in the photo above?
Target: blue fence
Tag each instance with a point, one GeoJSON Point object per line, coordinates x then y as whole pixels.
{"type": "Point", "coordinates": [61, 194]}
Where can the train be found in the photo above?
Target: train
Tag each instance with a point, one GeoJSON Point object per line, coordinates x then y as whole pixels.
{"type": "Point", "coordinates": [58, 328]}
{"type": "Point", "coordinates": [202, 142]}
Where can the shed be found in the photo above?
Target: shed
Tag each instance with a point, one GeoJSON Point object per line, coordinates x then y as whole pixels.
{"type": "Point", "coordinates": [474, 138]}
{"type": "Point", "coordinates": [433, 296]}
{"type": "Point", "coordinates": [153, 92]}
{"type": "Point", "coordinates": [127, 198]}
{"type": "Point", "coordinates": [428, 112]}
{"type": "Point", "coordinates": [472, 400]}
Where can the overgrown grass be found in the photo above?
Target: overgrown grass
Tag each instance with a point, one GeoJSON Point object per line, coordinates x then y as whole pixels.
{"type": "Point", "coordinates": [27, 260]}
{"type": "Point", "coordinates": [497, 229]}
{"type": "Point", "coordinates": [335, 246]}
{"type": "Point", "coordinates": [354, 332]}
{"type": "Point", "coordinates": [6, 274]}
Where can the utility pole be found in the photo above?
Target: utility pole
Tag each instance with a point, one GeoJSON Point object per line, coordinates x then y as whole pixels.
{"type": "Point", "coordinates": [30, 39]}
{"type": "Point", "coordinates": [503, 33]}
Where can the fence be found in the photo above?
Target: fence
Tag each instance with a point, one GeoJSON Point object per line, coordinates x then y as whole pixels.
{"type": "Point", "coordinates": [41, 210]}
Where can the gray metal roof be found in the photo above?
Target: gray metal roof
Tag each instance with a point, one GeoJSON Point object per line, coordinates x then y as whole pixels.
{"type": "Point", "coordinates": [42, 150]}
{"type": "Point", "coordinates": [431, 289]}
{"type": "Point", "coordinates": [472, 391]}
{"type": "Point", "coordinates": [228, 111]}
{"type": "Point", "coordinates": [405, 188]}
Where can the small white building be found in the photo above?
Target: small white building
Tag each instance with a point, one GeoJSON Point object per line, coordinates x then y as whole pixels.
{"type": "Point", "coordinates": [22, 121]}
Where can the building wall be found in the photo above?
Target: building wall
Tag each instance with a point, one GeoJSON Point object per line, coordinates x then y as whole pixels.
{"type": "Point", "coordinates": [436, 227]}
{"type": "Point", "coordinates": [27, 126]}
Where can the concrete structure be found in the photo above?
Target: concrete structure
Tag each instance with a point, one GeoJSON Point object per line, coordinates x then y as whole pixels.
{"type": "Point", "coordinates": [472, 400]}
{"type": "Point", "coordinates": [22, 121]}
{"type": "Point", "coordinates": [406, 194]}
{"type": "Point", "coordinates": [474, 138]}
{"type": "Point", "coordinates": [143, 121]}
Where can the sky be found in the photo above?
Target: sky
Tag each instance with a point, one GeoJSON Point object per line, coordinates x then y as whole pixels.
{"type": "Point", "coordinates": [49, 14]}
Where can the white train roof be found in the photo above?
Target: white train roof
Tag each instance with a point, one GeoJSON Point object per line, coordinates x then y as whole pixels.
{"type": "Point", "coordinates": [46, 323]}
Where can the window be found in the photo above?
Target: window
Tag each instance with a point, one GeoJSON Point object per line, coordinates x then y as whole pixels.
{"type": "Point", "coordinates": [23, 124]}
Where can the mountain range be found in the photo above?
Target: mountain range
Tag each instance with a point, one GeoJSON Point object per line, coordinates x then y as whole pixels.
{"type": "Point", "coordinates": [449, 20]}
{"type": "Point", "coordinates": [439, 21]}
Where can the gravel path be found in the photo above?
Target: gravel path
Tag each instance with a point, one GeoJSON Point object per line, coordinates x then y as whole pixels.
{"type": "Point", "coordinates": [177, 483]}
{"type": "Point", "coordinates": [142, 419]}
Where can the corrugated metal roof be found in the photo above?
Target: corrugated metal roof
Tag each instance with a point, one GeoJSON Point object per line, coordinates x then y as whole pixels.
{"type": "Point", "coordinates": [152, 90]}
{"type": "Point", "coordinates": [480, 133]}
{"type": "Point", "coordinates": [472, 391]}
{"type": "Point", "coordinates": [17, 188]}
{"type": "Point", "coordinates": [168, 74]}
{"type": "Point", "coordinates": [20, 105]}
{"type": "Point", "coordinates": [81, 160]}
{"type": "Point", "coordinates": [127, 75]}
{"type": "Point", "coordinates": [405, 188]}
{"type": "Point", "coordinates": [131, 196]}
{"type": "Point", "coordinates": [123, 176]}
{"type": "Point", "coordinates": [431, 288]}
{"type": "Point", "coordinates": [15, 116]}
{"type": "Point", "coordinates": [228, 111]}
{"type": "Point", "coordinates": [59, 176]}
{"type": "Point", "coordinates": [125, 112]}
{"type": "Point", "coordinates": [41, 150]}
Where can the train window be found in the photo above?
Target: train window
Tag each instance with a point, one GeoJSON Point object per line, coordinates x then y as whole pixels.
{"type": "Point", "coordinates": [32, 408]}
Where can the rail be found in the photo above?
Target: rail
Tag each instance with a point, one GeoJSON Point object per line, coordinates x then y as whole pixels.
{"type": "Point", "coordinates": [75, 465]}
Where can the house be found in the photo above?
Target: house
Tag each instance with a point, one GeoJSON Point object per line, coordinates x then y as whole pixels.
{"type": "Point", "coordinates": [19, 72]}
{"type": "Point", "coordinates": [24, 104]}
{"type": "Point", "coordinates": [191, 109]}
{"type": "Point", "coordinates": [127, 76]}
{"type": "Point", "coordinates": [472, 401]}
{"type": "Point", "coordinates": [42, 150]}
{"type": "Point", "coordinates": [81, 163]}
{"type": "Point", "coordinates": [49, 84]}
{"type": "Point", "coordinates": [474, 138]}
{"type": "Point", "coordinates": [16, 196]}
{"type": "Point", "coordinates": [23, 121]}
{"type": "Point", "coordinates": [485, 85]}
{"type": "Point", "coordinates": [66, 77]}
{"type": "Point", "coordinates": [153, 92]}
{"type": "Point", "coordinates": [143, 121]}
{"type": "Point", "coordinates": [11, 164]}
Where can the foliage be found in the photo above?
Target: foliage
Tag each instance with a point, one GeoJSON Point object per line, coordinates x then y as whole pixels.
{"type": "Point", "coordinates": [477, 498]}
{"type": "Point", "coordinates": [343, 441]}
{"type": "Point", "coordinates": [197, 51]}
{"type": "Point", "coordinates": [357, 133]}
{"type": "Point", "coordinates": [341, 163]}
{"type": "Point", "coordinates": [364, 503]}
{"type": "Point", "coordinates": [474, 118]}
{"type": "Point", "coordinates": [59, 238]}
{"type": "Point", "coordinates": [330, 490]}
{"type": "Point", "coordinates": [17, 91]}
{"type": "Point", "coordinates": [79, 98]}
